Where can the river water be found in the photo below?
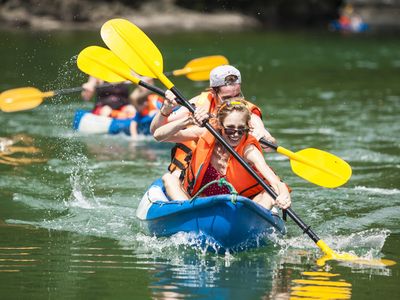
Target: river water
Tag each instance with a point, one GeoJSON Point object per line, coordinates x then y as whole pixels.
{"type": "Point", "coordinates": [67, 201]}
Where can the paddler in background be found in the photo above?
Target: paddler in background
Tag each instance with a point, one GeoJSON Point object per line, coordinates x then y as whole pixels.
{"type": "Point", "coordinates": [111, 100]}
{"type": "Point", "coordinates": [116, 101]}
{"type": "Point", "coordinates": [147, 105]}
{"type": "Point", "coordinates": [225, 83]}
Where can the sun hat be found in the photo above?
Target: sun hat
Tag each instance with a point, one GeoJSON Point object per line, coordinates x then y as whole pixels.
{"type": "Point", "coordinates": [218, 75]}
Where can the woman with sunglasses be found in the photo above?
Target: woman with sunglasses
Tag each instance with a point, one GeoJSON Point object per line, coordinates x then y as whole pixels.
{"type": "Point", "coordinates": [225, 83]}
{"type": "Point", "coordinates": [211, 161]}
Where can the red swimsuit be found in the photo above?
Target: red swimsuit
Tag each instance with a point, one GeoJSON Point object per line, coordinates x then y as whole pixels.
{"type": "Point", "coordinates": [214, 189]}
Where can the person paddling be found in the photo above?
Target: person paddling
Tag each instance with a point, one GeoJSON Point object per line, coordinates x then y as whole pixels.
{"type": "Point", "coordinates": [225, 83]}
{"type": "Point", "coordinates": [117, 102]}
{"type": "Point", "coordinates": [111, 100]}
{"type": "Point", "coordinates": [211, 161]}
{"type": "Point", "coordinates": [147, 104]}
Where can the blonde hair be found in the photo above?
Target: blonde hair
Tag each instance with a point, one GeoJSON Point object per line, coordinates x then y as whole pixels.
{"type": "Point", "coordinates": [233, 104]}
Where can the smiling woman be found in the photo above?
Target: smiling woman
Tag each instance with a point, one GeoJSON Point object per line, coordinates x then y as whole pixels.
{"type": "Point", "coordinates": [211, 161]}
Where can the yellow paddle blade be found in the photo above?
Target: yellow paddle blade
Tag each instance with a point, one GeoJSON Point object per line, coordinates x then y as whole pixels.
{"type": "Point", "coordinates": [319, 167]}
{"type": "Point", "coordinates": [103, 64]}
{"type": "Point", "coordinates": [133, 47]}
{"type": "Point", "coordinates": [198, 69]}
{"type": "Point", "coordinates": [22, 99]}
{"type": "Point", "coordinates": [347, 257]}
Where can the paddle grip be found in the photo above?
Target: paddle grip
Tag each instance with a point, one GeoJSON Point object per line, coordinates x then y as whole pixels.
{"type": "Point", "coordinates": [306, 229]}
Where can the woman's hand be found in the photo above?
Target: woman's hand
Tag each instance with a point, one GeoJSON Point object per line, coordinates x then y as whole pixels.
{"type": "Point", "coordinates": [283, 200]}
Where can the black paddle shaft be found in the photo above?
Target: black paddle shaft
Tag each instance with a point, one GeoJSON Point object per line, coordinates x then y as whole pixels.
{"type": "Point", "coordinates": [268, 143]}
{"type": "Point", "coordinates": [306, 229]}
{"type": "Point", "coordinates": [80, 89]}
{"type": "Point", "coordinates": [150, 87]}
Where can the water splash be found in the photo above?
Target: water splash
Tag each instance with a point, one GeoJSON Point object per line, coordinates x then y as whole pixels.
{"type": "Point", "coordinates": [378, 191]}
{"type": "Point", "coordinates": [367, 245]}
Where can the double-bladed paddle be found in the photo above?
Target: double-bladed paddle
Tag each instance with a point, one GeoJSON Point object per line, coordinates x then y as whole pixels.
{"type": "Point", "coordinates": [133, 47]}
{"type": "Point", "coordinates": [314, 165]}
{"type": "Point", "coordinates": [26, 98]}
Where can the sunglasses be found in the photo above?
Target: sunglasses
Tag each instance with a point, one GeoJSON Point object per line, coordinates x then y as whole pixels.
{"type": "Point", "coordinates": [232, 131]}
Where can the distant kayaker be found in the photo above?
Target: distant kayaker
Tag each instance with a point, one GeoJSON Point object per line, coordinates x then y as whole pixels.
{"type": "Point", "coordinates": [111, 100]}
{"type": "Point", "coordinates": [147, 104]}
{"type": "Point", "coordinates": [211, 161]}
{"type": "Point", "coordinates": [225, 83]}
{"type": "Point", "coordinates": [117, 102]}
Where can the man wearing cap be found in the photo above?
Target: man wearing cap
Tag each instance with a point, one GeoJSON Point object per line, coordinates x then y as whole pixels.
{"type": "Point", "coordinates": [225, 83]}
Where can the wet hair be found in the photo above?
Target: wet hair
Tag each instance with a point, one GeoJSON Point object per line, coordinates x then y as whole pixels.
{"type": "Point", "coordinates": [233, 104]}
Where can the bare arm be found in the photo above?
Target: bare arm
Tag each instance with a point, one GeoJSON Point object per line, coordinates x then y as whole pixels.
{"type": "Point", "coordinates": [89, 88]}
{"type": "Point", "coordinates": [253, 155]}
{"type": "Point", "coordinates": [177, 132]}
{"type": "Point", "coordinates": [166, 113]}
{"type": "Point", "coordinates": [259, 131]}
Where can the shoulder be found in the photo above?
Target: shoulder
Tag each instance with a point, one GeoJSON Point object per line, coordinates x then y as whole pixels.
{"type": "Point", "coordinates": [195, 99]}
{"type": "Point", "coordinates": [254, 109]}
{"type": "Point", "coordinates": [251, 142]}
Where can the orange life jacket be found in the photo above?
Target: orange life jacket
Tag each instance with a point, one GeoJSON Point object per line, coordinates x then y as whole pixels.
{"type": "Point", "coordinates": [150, 108]}
{"type": "Point", "coordinates": [181, 152]}
{"type": "Point", "coordinates": [121, 113]}
{"type": "Point", "coordinates": [237, 175]}
{"type": "Point", "coordinates": [151, 104]}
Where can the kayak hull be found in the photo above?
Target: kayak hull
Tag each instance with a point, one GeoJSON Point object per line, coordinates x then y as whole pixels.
{"type": "Point", "coordinates": [218, 220]}
{"type": "Point", "coordinates": [89, 123]}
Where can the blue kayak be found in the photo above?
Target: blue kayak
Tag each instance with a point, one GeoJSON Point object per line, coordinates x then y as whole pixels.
{"type": "Point", "coordinates": [230, 224]}
{"type": "Point", "coordinates": [86, 122]}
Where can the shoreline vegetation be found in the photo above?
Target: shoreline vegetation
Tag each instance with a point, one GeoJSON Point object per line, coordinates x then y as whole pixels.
{"type": "Point", "coordinates": [90, 15]}
{"type": "Point", "coordinates": [166, 15]}
{"type": "Point", "coordinates": [199, 15]}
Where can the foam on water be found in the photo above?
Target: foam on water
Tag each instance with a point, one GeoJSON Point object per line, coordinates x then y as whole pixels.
{"type": "Point", "coordinates": [365, 244]}
{"type": "Point", "coordinates": [378, 191]}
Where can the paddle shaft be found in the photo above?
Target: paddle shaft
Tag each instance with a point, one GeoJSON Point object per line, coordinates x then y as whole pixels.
{"type": "Point", "coordinates": [144, 84]}
{"type": "Point", "coordinates": [306, 229]}
{"type": "Point", "coordinates": [268, 143]}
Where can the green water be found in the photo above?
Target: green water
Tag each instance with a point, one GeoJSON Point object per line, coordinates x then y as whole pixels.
{"type": "Point", "coordinates": [67, 217]}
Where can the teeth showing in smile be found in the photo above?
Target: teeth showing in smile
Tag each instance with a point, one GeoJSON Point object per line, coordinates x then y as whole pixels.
{"type": "Point", "coordinates": [235, 139]}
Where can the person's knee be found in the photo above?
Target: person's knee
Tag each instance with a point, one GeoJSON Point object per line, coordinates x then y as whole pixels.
{"type": "Point", "coordinates": [165, 178]}
{"type": "Point", "coordinates": [264, 199]}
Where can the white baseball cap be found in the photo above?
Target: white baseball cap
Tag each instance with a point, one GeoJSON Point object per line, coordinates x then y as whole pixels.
{"type": "Point", "coordinates": [218, 75]}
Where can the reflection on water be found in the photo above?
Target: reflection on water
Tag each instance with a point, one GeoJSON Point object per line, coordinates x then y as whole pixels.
{"type": "Point", "coordinates": [120, 147]}
{"type": "Point", "coordinates": [320, 285]}
{"type": "Point", "coordinates": [11, 154]}
{"type": "Point", "coordinates": [16, 259]}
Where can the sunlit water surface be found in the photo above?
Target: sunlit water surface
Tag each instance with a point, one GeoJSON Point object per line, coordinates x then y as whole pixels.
{"type": "Point", "coordinates": [68, 201]}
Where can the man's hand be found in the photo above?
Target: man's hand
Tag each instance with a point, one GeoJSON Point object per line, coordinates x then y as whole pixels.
{"type": "Point", "coordinates": [169, 103]}
{"type": "Point", "coordinates": [201, 116]}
